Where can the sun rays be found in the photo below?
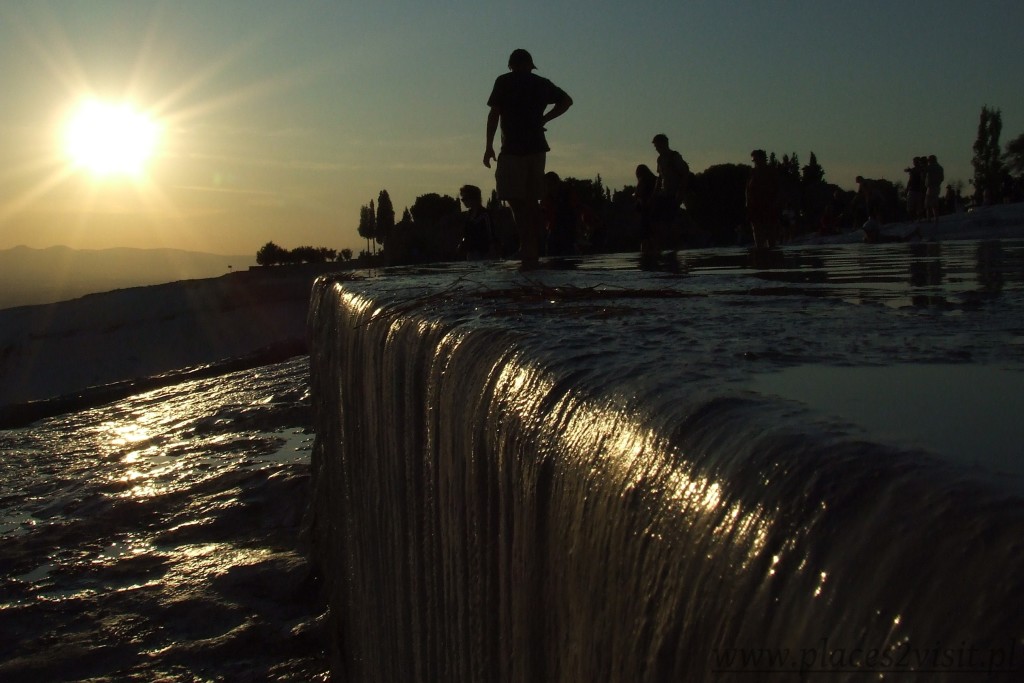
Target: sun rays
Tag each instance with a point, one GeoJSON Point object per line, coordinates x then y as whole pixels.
{"type": "Point", "coordinates": [120, 136]}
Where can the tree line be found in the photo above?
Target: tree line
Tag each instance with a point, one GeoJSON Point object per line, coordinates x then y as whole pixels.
{"type": "Point", "coordinates": [715, 214]}
{"type": "Point", "coordinates": [271, 254]}
{"type": "Point", "coordinates": [430, 229]}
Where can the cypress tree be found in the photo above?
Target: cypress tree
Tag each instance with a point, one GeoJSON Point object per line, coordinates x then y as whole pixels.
{"type": "Point", "coordinates": [385, 216]}
{"type": "Point", "coordinates": [988, 158]}
{"type": "Point", "coordinates": [367, 224]}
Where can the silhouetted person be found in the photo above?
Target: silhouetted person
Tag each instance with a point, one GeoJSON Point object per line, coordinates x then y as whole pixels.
{"type": "Point", "coordinates": [763, 201]}
{"type": "Point", "coordinates": [478, 232]}
{"type": "Point", "coordinates": [952, 200]}
{"type": "Point", "coordinates": [934, 176]}
{"type": "Point", "coordinates": [652, 215]}
{"type": "Point", "coordinates": [916, 188]}
{"type": "Point", "coordinates": [564, 216]}
{"type": "Point", "coordinates": [519, 103]}
{"type": "Point", "coordinates": [673, 180]}
{"type": "Point", "coordinates": [834, 215]}
{"type": "Point", "coordinates": [873, 196]}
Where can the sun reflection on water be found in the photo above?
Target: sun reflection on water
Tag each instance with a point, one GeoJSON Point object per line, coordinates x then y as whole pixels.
{"type": "Point", "coordinates": [632, 460]}
{"type": "Point", "coordinates": [145, 521]}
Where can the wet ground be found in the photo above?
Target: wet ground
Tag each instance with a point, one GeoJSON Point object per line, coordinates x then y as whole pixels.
{"type": "Point", "coordinates": [157, 538]}
{"type": "Point", "coordinates": [603, 452]}
{"type": "Point", "coordinates": [919, 345]}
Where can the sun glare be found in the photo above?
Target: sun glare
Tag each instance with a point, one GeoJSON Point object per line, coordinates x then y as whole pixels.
{"type": "Point", "coordinates": [108, 139]}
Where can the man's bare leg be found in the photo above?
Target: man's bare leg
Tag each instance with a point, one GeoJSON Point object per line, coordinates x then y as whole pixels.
{"type": "Point", "coordinates": [528, 224]}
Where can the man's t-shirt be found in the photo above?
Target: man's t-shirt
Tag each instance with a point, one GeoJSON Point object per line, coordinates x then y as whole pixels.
{"type": "Point", "coordinates": [673, 173]}
{"type": "Point", "coordinates": [522, 98]}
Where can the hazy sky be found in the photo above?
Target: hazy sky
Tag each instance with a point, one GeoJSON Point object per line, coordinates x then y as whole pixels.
{"type": "Point", "coordinates": [281, 118]}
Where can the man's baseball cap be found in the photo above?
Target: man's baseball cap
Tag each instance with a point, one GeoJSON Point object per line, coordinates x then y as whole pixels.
{"type": "Point", "coordinates": [520, 57]}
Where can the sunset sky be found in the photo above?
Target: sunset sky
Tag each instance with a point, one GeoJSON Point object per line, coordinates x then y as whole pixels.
{"type": "Point", "coordinates": [278, 120]}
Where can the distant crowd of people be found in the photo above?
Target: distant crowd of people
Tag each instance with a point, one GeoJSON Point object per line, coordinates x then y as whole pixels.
{"type": "Point", "coordinates": [550, 220]}
{"type": "Point", "coordinates": [923, 193]}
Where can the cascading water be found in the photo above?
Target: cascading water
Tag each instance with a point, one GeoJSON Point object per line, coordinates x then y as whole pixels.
{"type": "Point", "coordinates": [525, 481]}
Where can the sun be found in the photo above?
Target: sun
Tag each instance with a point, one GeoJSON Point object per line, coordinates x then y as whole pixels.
{"type": "Point", "coordinates": [110, 139]}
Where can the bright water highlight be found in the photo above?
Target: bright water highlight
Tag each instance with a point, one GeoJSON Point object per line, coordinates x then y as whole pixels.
{"type": "Point", "coordinates": [568, 476]}
{"type": "Point", "coordinates": [154, 538]}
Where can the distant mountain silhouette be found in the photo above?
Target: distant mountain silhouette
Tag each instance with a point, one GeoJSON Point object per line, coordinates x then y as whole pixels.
{"type": "Point", "coordinates": [38, 276]}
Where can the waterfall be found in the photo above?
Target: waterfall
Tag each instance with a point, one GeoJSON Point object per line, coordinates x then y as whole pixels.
{"type": "Point", "coordinates": [507, 499]}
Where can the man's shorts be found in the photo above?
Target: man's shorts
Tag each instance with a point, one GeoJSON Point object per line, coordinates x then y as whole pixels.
{"type": "Point", "coordinates": [520, 176]}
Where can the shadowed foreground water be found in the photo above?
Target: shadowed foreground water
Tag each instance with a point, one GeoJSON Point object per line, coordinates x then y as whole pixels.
{"type": "Point", "coordinates": [155, 538]}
